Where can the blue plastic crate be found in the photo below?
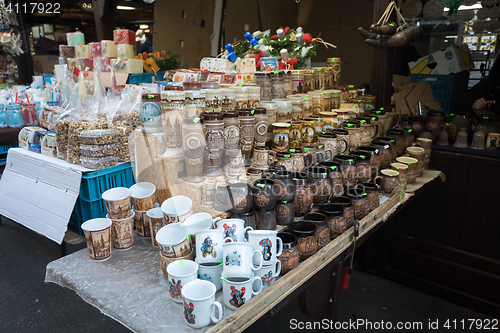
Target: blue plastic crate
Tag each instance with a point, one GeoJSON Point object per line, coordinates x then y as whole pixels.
{"type": "Point", "coordinates": [5, 148]}
{"type": "Point", "coordinates": [446, 89]}
{"type": "Point", "coordinates": [87, 210]}
{"type": "Point", "coordinates": [3, 161]}
{"type": "Point", "coordinates": [145, 77]}
{"type": "Point", "coordinates": [95, 183]}
{"type": "Point", "coordinates": [75, 225]}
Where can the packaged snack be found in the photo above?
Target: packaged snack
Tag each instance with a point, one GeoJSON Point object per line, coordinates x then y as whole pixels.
{"type": "Point", "coordinates": [99, 137]}
{"type": "Point", "coordinates": [99, 151]}
{"type": "Point", "coordinates": [99, 163]}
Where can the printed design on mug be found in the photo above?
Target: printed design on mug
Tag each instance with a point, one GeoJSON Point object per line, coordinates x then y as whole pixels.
{"type": "Point", "coordinates": [150, 112]}
{"type": "Point", "coordinates": [230, 231]}
{"type": "Point", "coordinates": [282, 212]}
{"type": "Point", "coordinates": [193, 144]}
{"type": "Point", "coordinates": [233, 259]}
{"type": "Point", "coordinates": [98, 244]}
{"type": "Point", "coordinates": [261, 128]}
{"type": "Point", "coordinates": [215, 142]}
{"type": "Point", "coordinates": [188, 312]}
{"type": "Point", "coordinates": [205, 277]}
{"type": "Point", "coordinates": [231, 136]}
{"type": "Point", "coordinates": [239, 202]}
{"type": "Point", "coordinates": [175, 289]}
{"type": "Point", "coordinates": [207, 248]}
{"type": "Point", "coordinates": [307, 134]}
{"type": "Point", "coordinates": [267, 279]}
{"type": "Point", "coordinates": [246, 136]}
{"type": "Point", "coordinates": [295, 135]}
{"type": "Point", "coordinates": [262, 199]}
{"type": "Point", "coordinates": [237, 296]}
{"type": "Point", "coordinates": [266, 248]}
{"type": "Point", "coordinates": [123, 234]}
{"type": "Point", "coordinates": [281, 141]}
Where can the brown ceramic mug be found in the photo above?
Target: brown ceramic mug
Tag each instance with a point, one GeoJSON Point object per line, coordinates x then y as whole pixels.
{"type": "Point", "coordinates": [427, 145]}
{"type": "Point", "coordinates": [305, 233]}
{"type": "Point", "coordinates": [263, 157]}
{"type": "Point", "coordinates": [388, 180]}
{"type": "Point", "coordinates": [412, 167]}
{"type": "Point", "coordinates": [419, 154]}
{"type": "Point", "coordinates": [403, 173]}
{"type": "Point", "coordinates": [290, 256]}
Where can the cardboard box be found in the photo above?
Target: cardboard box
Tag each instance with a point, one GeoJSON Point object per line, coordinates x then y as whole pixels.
{"type": "Point", "coordinates": [453, 59]}
{"type": "Point", "coordinates": [44, 63]}
{"type": "Point", "coordinates": [408, 95]}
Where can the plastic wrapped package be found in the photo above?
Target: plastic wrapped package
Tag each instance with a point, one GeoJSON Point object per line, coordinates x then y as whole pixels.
{"type": "Point", "coordinates": [98, 151]}
{"type": "Point", "coordinates": [108, 49]}
{"type": "Point", "coordinates": [123, 123]}
{"type": "Point", "coordinates": [124, 37]}
{"type": "Point", "coordinates": [127, 65]}
{"type": "Point", "coordinates": [95, 49]}
{"type": "Point", "coordinates": [62, 126]}
{"type": "Point", "coordinates": [87, 63]}
{"type": "Point", "coordinates": [101, 136]}
{"type": "Point", "coordinates": [75, 128]}
{"type": "Point", "coordinates": [76, 38]}
{"type": "Point", "coordinates": [125, 51]}
{"type": "Point", "coordinates": [66, 51]}
{"type": "Point", "coordinates": [105, 64]}
{"type": "Point", "coordinates": [82, 51]}
{"type": "Point", "coordinates": [99, 163]}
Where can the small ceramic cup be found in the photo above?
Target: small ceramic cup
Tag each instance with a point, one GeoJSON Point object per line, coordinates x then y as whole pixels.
{"type": "Point", "coordinates": [156, 222]}
{"type": "Point", "coordinates": [211, 272]}
{"type": "Point", "coordinates": [234, 229]}
{"type": "Point", "coordinates": [238, 258]}
{"type": "Point", "coordinates": [419, 154]}
{"type": "Point", "coordinates": [268, 274]}
{"type": "Point", "coordinates": [123, 232]}
{"type": "Point", "coordinates": [177, 209]}
{"type": "Point", "coordinates": [200, 304]}
{"type": "Point", "coordinates": [141, 221]}
{"type": "Point", "coordinates": [98, 236]}
{"type": "Point", "coordinates": [209, 246]}
{"type": "Point", "coordinates": [165, 261]}
{"type": "Point", "coordinates": [265, 241]}
{"type": "Point", "coordinates": [388, 180]}
{"type": "Point", "coordinates": [290, 256]}
{"type": "Point", "coordinates": [403, 173]}
{"type": "Point", "coordinates": [143, 196]}
{"type": "Point", "coordinates": [238, 291]}
{"type": "Point", "coordinates": [412, 164]}
{"type": "Point", "coordinates": [117, 201]}
{"type": "Point", "coordinates": [180, 272]}
{"type": "Point", "coordinates": [493, 141]}
{"type": "Point", "coordinates": [173, 240]}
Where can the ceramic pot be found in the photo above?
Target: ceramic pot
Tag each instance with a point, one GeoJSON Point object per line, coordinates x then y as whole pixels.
{"type": "Point", "coordinates": [348, 169]}
{"type": "Point", "coordinates": [412, 167]}
{"type": "Point", "coordinates": [433, 122]}
{"type": "Point", "coordinates": [362, 163]}
{"type": "Point", "coordinates": [375, 159]}
{"type": "Point", "coordinates": [320, 184]}
{"type": "Point", "coordinates": [403, 173]}
{"type": "Point", "coordinates": [304, 231]}
{"type": "Point", "coordinates": [409, 137]}
{"type": "Point", "coordinates": [285, 212]}
{"type": "Point", "coordinates": [322, 233]}
{"type": "Point", "coordinates": [342, 141]}
{"type": "Point", "coordinates": [355, 135]}
{"type": "Point", "coordinates": [285, 159]}
{"type": "Point", "coordinates": [417, 124]}
{"type": "Point", "coordinates": [419, 154]}
{"type": "Point", "coordinates": [385, 152]}
{"type": "Point", "coordinates": [427, 145]}
{"type": "Point", "coordinates": [303, 193]}
{"type": "Point", "coordinates": [335, 218]}
{"type": "Point", "coordinates": [373, 195]}
{"type": "Point", "coordinates": [301, 159]}
{"type": "Point", "coordinates": [367, 130]}
{"type": "Point", "coordinates": [241, 197]}
{"type": "Point", "coordinates": [399, 138]}
{"type": "Point", "coordinates": [375, 122]}
{"type": "Point", "coordinates": [290, 256]}
{"type": "Point", "coordinates": [388, 180]}
{"type": "Point", "coordinates": [329, 140]}
{"type": "Point", "coordinates": [348, 212]}
{"type": "Point", "coordinates": [392, 143]}
{"type": "Point", "coordinates": [360, 201]}
{"type": "Point", "coordinates": [336, 178]}
{"type": "Point", "coordinates": [265, 219]}
{"type": "Point", "coordinates": [287, 193]}
{"type": "Point", "coordinates": [265, 193]}
{"type": "Point", "coordinates": [381, 120]}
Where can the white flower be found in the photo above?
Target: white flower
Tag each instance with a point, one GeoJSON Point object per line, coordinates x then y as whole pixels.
{"type": "Point", "coordinates": [256, 33]}
{"type": "Point", "coordinates": [299, 29]}
{"type": "Point", "coordinates": [305, 50]}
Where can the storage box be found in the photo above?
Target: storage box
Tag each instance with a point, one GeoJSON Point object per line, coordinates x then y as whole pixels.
{"type": "Point", "coordinates": [44, 63]}
{"type": "Point", "coordinates": [453, 59]}
{"type": "Point", "coordinates": [124, 37]}
{"type": "Point", "coordinates": [82, 52]}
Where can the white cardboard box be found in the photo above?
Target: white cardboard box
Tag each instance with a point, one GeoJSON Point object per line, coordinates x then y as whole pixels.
{"type": "Point", "coordinates": [453, 59]}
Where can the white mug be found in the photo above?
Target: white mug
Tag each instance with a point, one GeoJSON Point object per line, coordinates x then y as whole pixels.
{"type": "Point", "coordinates": [265, 242]}
{"type": "Point", "coordinates": [173, 240]}
{"type": "Point", "coordinates": [177, 209]}
{"type": "Point", "coordinates": [238, 258]}
{"type": "Point", "coordinates": [238, 291]}
{"type": "Point", "coordinates": [268, 274]}
{"type": "Point", "coordinates": [211, 272]}
{"type": "Point", "coordinates": [180, 272]}
{"type": "Point", "coordinates": [200, 221]}
{"type": "Point", "coordinates": [200, 304]}
{"type": "Point", "coordinates": [234, 229]}
{"type": "Point", "coordinates": [209, 246]}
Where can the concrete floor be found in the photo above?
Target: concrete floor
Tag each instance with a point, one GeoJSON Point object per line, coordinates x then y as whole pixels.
{"type": "Point", "coordinates": [28, 304]}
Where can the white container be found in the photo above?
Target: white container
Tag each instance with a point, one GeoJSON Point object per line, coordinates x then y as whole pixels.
{"type": "Point", "coordinates": [238, 258]}
{"type": "Point", "coordinates": [200, 304]}
{"type": "Point", "coordinates": [238, 291]}
{"type": "Point", "coordinates": [180, 273]}
{"type": "Point", "coordinates": [177, 209]}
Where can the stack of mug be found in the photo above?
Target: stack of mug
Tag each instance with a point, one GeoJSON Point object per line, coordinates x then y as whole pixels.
{"type": "Point", "coordinates": [265, 196]}
{"type": "Point", "coordinates": [143, 199]}
{"type": "Point", "coordinates": [117, 201]}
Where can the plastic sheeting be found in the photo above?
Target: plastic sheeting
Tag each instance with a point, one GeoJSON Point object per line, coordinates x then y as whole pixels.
{"type": "Point", "coordinates": [129, 287]}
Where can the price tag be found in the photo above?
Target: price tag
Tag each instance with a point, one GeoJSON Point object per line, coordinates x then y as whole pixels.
{"type": "Point", "coordinates": [306, 149]}
{"type": "Point", "coordinates": [320, 146]}
{"type": "Point", "coordinates": [187, 236]}
{"type": "Point", "coordinates": [363, 121]}
{"type": "Point", "coordinates": [319, 119]}
{"type": "Point", "coordinates": [181, 262]}
{"type": "Point", "coordinates": [151, 96]}
{"type": "Point", "coordinates": [285, 202]}
{"type": "Point", "coordinates": [261, 185]}
{"type": "Point", "coordinates": [252, 112]}
{"type": "Point", "coordinates": [333, 167]}
{"type": "Point", "coordinates": [292, 150]}
{"type": "Point", "coordinates": [196, 120]}
{"type": "Point", "coordinates": [286, 155]}
{"type": "Point", "coordinates": [324, 173]}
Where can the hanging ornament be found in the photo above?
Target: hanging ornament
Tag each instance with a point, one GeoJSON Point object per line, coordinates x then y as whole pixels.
{"type": "Point", "coordinates": [281, 34]}
{"type": "Point", "coordinates": [300, 38]}
{"type": "Point", "coordinates": [231, 56]}
{"type": "Point", "coordinates": [284, 55]}
{"type": "Point", "coordinates": [254, 41]}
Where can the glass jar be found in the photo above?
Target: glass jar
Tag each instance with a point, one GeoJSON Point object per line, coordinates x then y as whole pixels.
{"type": "Point", "coordinates": [297, 81]}
{"type": "Point", "coordinates": [284, 109]}
{"type": "Point", "coordinates": [297, 107]}
{"type": "Point", "coordinates": [263, 80]}
{"type": "Point", "coordinates": [308, 81]}
{"type": "Point", "coordinates": [195, 99]}
{"type": "Point", "coordinates": [317, 102]}
{"type": "Point", "coordinates": [277, 86]}
{"type": "Point", "coordinates": [241, 97]}
{"type": "Point", "coordinates": [213, 100]}
{"type": "Point", "coordinates": [253, 96]}
{"type": "Point", "coordinates": [228, 99]}
{"type": "Point", "coordinates": [287, 83]}
{"type": "Point", "coordinates": [307, 106]}
{"type": "Point", "coordinates": [3, 117]}
{"type": "Point", "coordinates": [29, 114]}
{"type": "Point", "coordinates": [214, 137]}
{"type": "Point", "coordinates": [14, 118]}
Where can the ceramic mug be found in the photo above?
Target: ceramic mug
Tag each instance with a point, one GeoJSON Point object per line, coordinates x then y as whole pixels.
{"type": "Point", "coordinates": [264, 241]}
{"type": "Point", "coordinates": [412, 167]}
{"type": "Point", "coordinates": [98, 236]}
{"type": "Point", "coordinates": [238, 257]}
{"type": "Point", "coordinates": [419, 154]}
{"type": "Point", "coordinates": [156, 222]}
{"type": "Point", "coordinates": [403, 173]}
{"type": "Point", "coordinates": [427, 145]}
{"type": "Point", "coordinates": [388, 180]}
{"type": "Point", "coordinates": [211, 272]}
{"type": "Point", "coordinates": [177, 209]}
{"type": "Point", "coordinates": [122, 231]}
{"type": "Point", "coordinates": [180, 272]}
{"type": "Point", "coordinates": [268, 274]}
{"type": "Point", "coordinates": [117, 201]}
{"type": "Point", "coordinates": [173, 240]}
{"type": "Point", "coordinates": [200, 221]}
{"type": "Point", "coordinates": [238, 291]}
{"type": "Point", "coordinates": [209, 246]}
{"type": "Point", "coordinates": [200, 304]}
{"type": "Point", "coordinates": [143, 196]}
{"type": "Point", "coordinates": [493, 141]}
{"type": "Point", "coordinates": [263, 157]}
{"type": "Point", "coordinates": [233, 229]}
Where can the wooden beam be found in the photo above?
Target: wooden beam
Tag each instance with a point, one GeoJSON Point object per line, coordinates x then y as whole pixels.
{"type": "Point", "coordinates": [104, 15]}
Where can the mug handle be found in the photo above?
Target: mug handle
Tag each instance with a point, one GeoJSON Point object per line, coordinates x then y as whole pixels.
{"type": "Point", "coordinates": [255, 278]}
{"type": "Point", "coordinates": [328, 152]}
{"type": "Point", "coordinates": [261, 259]}
{"type": "Point", "coordinates": [212, 312]}
{"type": "Point", "coordinates": [245, 232]}
{"type": "Point", "coordinates": [377, 178]}
{"type": "Point", "coordinates": [278, 268]}
{"type": "Point", "coordinates": [228, 240]}
{"type": "Point", "coordinates": [280, 246]}
{"type": "Point", "coordinates": [272, 157]}
{"type": "Point", "coordinates": [215, 221]}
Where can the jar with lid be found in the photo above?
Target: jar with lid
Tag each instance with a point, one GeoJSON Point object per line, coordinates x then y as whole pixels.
{"type": "Point", "coordinates": [297, 107]}
{"type": "Point", "coordinates": [272, 116]}
{"type": "Point", "coordinates": [327, 96]}
{"type": "Point", "coordinates": [284, 109]}
{"type": "Point", "coordinates": [287, 82]}
{"type": "Point", "coordinates": [241, 97]}
{"type": "Point", "coordinates": [253, 96]}
{"type": "Point", "coordinates": [228, 99]}
{"type": "Point", "coordinates": [214, 137]}
{"type": "Point", "coordinates": [3, 117]}
{"type": "Point", "coordinates": [328, 78]}
{"type": "Point", "coordinates": [297, 81]}
{"type": "Point", "coordinates": [213, 100]}
{"type": "Point", "coordinates": [29, 114]}
{"type": "Point", "coordinates": [195, 99]}
{"type": "Point", "coordinates": [319, 78]}
{"type": "Point", "coordinates": [277, 85]}
{"type": "Point", "coordinates": [308, 81]}
{"type": "Point", "coordinates": [247, 130]}
{"type": "Point", "coordinates": [14, 118]}
{"type": "Point", "coordinates": [260, 126]}
{"type": "Point", "coordinates": [263, 80]}
{"type": "Point", "coordinates": [307, 106]}
{"type": "Point", "coordinates": [317, 102]}
{"type": "Point", "coordinates": [150, 110]}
